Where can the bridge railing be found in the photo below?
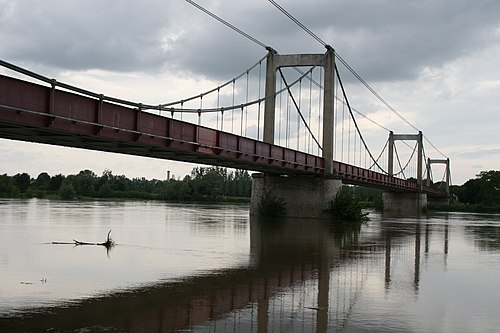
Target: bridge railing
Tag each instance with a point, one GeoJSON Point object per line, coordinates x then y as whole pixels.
{"type": "Point", "coordinates": [359, 176]}
{"type": "Point", "coordinates": [54, 83]}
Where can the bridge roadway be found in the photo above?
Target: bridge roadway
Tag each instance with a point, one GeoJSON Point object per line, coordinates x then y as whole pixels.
{"type": "Point", "coordinates": [36, 113]}
{"type": "Point", "coordinates": [284, 255]}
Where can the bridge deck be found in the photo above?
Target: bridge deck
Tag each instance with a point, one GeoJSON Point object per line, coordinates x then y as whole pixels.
{"type": "Point", "coordinates": [36, 113]}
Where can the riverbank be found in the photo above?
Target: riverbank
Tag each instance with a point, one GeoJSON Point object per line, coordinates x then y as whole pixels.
{"type": "Point", "coordinates": [467, 208]}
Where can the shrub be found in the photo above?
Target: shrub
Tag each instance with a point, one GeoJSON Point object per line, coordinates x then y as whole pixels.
{"type": "Point", "coordinates": [270, 205]}
{"type": "Point", "coordinates": [346, 207]}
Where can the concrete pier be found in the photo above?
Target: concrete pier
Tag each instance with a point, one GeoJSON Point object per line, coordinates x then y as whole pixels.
{"type": "Point", "coordinates": [404, 203]}
{"type": "Point", "coordinates": [304, 196]}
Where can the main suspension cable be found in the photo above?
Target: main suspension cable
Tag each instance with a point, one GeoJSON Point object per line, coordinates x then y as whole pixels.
{"type": "Point", "coordinates": [227, 24]}
{"type": "Point", "coordinates": [354, 119]}
{"type": "Point", "coordinates": [291, 17]}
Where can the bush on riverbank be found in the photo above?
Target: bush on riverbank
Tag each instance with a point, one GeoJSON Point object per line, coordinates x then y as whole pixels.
{"type": "Point", "coordinates": [346, 207]}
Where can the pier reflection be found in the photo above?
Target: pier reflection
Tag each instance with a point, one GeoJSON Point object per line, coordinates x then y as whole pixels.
{"type": "Point", "coordinates": [304, 275]}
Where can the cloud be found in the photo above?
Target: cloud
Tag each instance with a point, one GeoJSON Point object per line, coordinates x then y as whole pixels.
{"type": "Point", "coordinates": [112, 35]}
{"type": "Point", "coordinates": [383, 40]}
{"type": "Point", "coordinates": [478, 154]}
{"type": "Point", "coordinates": [436, 62]}
{"type": "Point", "coordinates": [390, 39]}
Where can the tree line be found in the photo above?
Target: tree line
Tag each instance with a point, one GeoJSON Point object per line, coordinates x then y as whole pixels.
{"type": "Point", "coordinates": [202, 184]}
{"type": "Point", "coordinates": [481, 194]}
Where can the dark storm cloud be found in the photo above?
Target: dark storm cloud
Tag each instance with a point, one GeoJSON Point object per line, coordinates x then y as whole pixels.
{"type": "Point", "coordinates": [382, 39]}
{"type": "Point", "coordinates": [113, 35]}
{"type": "Point", "coordinates": [392, 39]}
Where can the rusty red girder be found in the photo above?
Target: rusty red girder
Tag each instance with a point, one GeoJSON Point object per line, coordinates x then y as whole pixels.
{"type": "Point", "coordinates": [36, 113]}
{"type": "Point", "coordinates": [31, 112]}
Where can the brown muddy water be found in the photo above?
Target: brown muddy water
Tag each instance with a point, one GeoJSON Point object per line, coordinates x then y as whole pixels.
{"type": "Point", "coordinates": [212, 268]}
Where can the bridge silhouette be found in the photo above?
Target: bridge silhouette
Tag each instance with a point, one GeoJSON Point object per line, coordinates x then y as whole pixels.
{"type": "Point", "coordinates": [299, 123]}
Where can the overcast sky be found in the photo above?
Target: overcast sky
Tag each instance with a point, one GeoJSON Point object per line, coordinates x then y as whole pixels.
{"type": "Point", "coordinates": [436, 62]}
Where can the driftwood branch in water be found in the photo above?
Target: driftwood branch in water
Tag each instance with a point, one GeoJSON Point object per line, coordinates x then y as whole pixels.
{"type": "Point", "coordinates": [108, 243]}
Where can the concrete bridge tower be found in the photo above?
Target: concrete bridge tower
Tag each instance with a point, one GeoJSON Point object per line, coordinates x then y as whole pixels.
{"type": "Point", "coordinates": [304, 196]}
{"type": "Point", "coordinates": [405, 203]}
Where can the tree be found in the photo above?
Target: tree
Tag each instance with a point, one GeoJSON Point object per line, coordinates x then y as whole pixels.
{"type": "Point", "coordinates": [22, 181]}
{"type": "Point", "coordinates": [84, 182]}
{"type": "Point", "coordinates": [67, 192]}
{"type": "Point", "coordinates": [42, 181]}
{"type": "Point", "coordinates": [105, 191]}
{"type": "Point", "coordinates": [208, 182]}
{"type": "Point", "coordinates": [484, 189]}
{"type": "Point", "coordinates": [7, 187]}
{"type": "Point", "coordinates": [55, 183]}
{"type": "Point", "coordinates": [176, 190]}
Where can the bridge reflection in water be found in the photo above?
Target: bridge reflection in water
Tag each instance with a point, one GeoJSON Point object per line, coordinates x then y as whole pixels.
{"type": "Point", "coordinates": [305, 276]}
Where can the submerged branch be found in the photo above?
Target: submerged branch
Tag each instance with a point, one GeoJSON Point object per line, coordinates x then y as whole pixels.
{"type": "Point", "coordinates": [108, 243]}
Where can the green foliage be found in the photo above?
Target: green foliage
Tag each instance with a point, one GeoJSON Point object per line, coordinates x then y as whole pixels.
{"type": "Point", "coordinates": [83, 183]}
{"type": "Point", "coordinates": [484, 189]}
{"type": "Point", "coordinates": [105, 191]}
{"type": "Point", "coordinates": [208, 182]}
{"type": "Point", "coordinates": [346, 207]}
{"type": "Point", "coordinates": [67, 192]}
{"type": "Point", "coordinates": [271, 205]}
{"type": "Point", "coordinates": [42, 181]}
{"type": "Point", "coordinates": [22, 181]}
{"type": "Point", "coordinates": [369, 197]}
{"type": "Point", "coordinates": [174, 190]}
{"type": "Point", "coordinates": [204, 184]}
{"type": "Point", "coordinates": [8, 188]}
{"type": "Point", "coordinates": [55, 183]}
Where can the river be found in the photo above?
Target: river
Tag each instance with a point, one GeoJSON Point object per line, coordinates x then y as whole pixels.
{"type": "Point", "coordinates": [212, 268]}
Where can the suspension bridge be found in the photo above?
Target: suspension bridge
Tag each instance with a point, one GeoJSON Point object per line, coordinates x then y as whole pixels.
{"type": "Point", "coordinates": [286, 115]}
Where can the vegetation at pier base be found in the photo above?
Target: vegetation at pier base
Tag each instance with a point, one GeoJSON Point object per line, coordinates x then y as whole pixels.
{"type": "Point", "coordinates": [271, 205]}
{"type": "Point", "coordinates": [346, 207]}
{"type": "Point", "coordinates": [211, 184]}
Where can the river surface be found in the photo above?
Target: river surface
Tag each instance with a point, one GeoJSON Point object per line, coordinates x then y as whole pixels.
{"type": "Point", "coordinates": [212, 268]}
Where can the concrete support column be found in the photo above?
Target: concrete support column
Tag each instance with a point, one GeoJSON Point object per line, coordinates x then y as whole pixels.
{"type": "Point", "coordinates": [328, 110]}
{"type": "Point", "coordinates": [303, 196]}
{"type": "Point", "coordinates": [403, 203]}
{"type": "Point", "coordinates": [428, 167]}
{"type": "Point", "coordinates": [448, 176]}
{"type": "Point", "coordinates": [420, 150]}
{"type": "Point", "coordinates": [390, 162]}
{"type": "Point", "coordinates": [270, 102]}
